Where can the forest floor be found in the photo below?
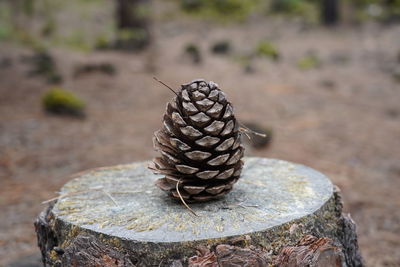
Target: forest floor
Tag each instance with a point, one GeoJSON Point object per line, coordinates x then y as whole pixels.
{"type": "Point", "coordinates": [341, 118]}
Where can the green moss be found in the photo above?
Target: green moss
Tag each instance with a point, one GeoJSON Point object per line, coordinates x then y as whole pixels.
{"type": "Point", "coordinates": [226, 10]}
{"type": "Point", "coordinates": [77, 41]}
{"type": "Point", "coordinates": [53, 255]}
{"type": "Point", "coordinates": [102, 42]}
{"type": "Point", "coordinates": [308, 62]}
{"type": "Point", "coordinates": [142, 11]}
{"type": "Point", "coordinates": [267, 49]}
{"type": "Point", "coordinates": [299, 8]}
{"type": "Point", "coordinates": [60, 101]}
{"type": "Point", "coordinates": [5, 32]}
{"type": "Point", "coordinates": [132, 39]}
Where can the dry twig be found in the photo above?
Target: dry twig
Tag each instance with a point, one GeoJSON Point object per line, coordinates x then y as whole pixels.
{"type": "Point", "coordinates": [183, 201]}
{"type": "Point", "coordinates": [172, 90]}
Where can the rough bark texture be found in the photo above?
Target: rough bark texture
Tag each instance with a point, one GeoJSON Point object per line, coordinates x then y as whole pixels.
{"type": "Point", "coordinates": [311, 251]}
{"type": "Point", "coordinates": [69, 235]}
{"type": "Point", "coordinates": [46, 236]}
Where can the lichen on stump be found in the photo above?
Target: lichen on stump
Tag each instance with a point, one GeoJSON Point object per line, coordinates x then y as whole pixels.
{"type": "Point", "coordinates": [115, 217]}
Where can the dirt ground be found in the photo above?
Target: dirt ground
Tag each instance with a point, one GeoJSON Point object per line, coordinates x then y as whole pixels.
{"type": "Point", "coordinates": [342, 118]}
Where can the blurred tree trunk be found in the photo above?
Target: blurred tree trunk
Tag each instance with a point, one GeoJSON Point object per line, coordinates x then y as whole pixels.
{"type": "Point", "coordinates": [127, 15]}
{"type": "Point", "coordinates": [330, 12]}
{"type": "Point", "coordinates": [133, 21]}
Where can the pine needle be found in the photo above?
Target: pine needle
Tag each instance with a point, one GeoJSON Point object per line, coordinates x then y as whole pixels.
{"type": "Point", "coordinates": [248, 131]}
{"type": "Point", "coordinates": [245, 133]}
{"type": "Point", "coordinates": [110, 197]}
{"type": "Point", "coordinates": [183, 201]}
{"type": "Point", "coordinates": [98, 188]}
{"type": "Point", "coordinates": [172, 90]}
{"type": "Point", "coordinates": [73, 193]}
{"type": "Point", "coordinates": [51, 199]}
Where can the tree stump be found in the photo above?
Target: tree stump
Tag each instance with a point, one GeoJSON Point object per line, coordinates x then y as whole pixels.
{"type": "Point", "coordinates": [279, 213]}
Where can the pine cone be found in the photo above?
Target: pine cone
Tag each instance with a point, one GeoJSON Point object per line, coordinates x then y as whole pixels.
{"type": "Point", "coordinates": [200, 144]}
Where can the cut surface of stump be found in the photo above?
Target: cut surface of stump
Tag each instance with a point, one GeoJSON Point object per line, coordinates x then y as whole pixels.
{"type": "Point", "coordinates": [116, 214]}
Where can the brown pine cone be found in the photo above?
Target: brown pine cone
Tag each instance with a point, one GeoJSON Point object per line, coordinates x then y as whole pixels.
{"type": "Point", "coordinates": [199, 143]}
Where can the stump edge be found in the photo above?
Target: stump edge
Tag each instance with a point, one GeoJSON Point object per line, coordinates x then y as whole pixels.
{"type": "Point", "coordinates": [63, 245]}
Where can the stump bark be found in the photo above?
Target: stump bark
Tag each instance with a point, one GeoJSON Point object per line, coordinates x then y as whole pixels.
{"type": "Point", "coordinates": [279, 213]}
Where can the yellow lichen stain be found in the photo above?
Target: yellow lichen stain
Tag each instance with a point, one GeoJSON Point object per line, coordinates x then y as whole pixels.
{"type": "Point", "coordinates": [195, 231]}
{"type": "Point", "coordinates": [70, 235]}
{"type": "Point", "coordinates": [235, 221]}
{"type": "Point", "coordinates": [115, 242]}
{"type": "Point", "coordinates": [144, 224]}
{"type": "Point", "coordinates": [130, 227]}
{"type": "Point", "coordinates": [219, 227]}
{"type": "Point", "coordinates": [252, 217]}
{"type": "Point", "coordinates": [176, 218]}
{"type": "Point", "coordinates": [104, 224]}
{"type": "Point", "coordinates": [155, 225]}
{"type": "Point", "coordinates": [142, 228]}
{"type": "Point", "coordinates": [53, 255]}
{"type": "Point", "coordinates": [298, 186]}
{"type": "Point", "coordinates": [180, 226]}
{"type": "Point", "coordinates": [290, 167]}
{"type": "Point", "coordinates": [257, 183]}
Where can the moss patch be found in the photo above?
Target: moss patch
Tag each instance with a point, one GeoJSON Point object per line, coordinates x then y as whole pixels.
{"type": "Point", "coordinates": [60, 101]}
{"type": "Point", "coordinates": [268, 49]}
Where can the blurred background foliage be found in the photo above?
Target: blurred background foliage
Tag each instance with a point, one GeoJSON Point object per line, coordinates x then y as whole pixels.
{"type": "Point", "coordinates": [43, 23]}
